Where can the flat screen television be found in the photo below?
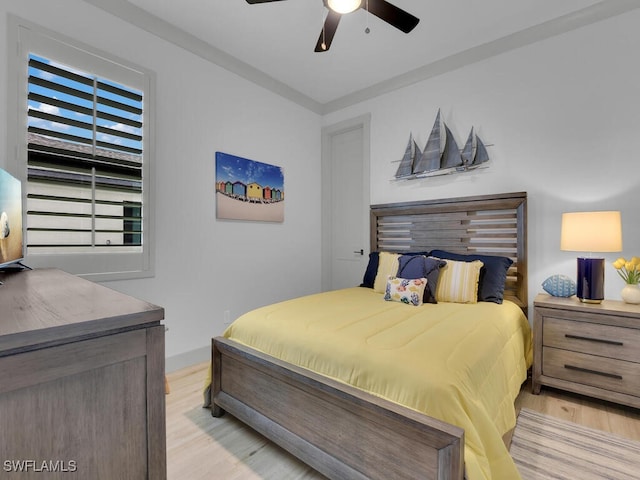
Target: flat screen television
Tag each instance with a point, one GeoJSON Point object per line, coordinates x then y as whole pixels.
{"type": "Point", "coordinates": [11, 241]}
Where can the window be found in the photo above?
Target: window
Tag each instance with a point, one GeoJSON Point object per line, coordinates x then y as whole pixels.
{"type": "Point", "coordinates": [84, 155]}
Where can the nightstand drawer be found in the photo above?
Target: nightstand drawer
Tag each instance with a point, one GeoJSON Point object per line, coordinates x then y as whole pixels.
{"type": "Point", "coordinates": [606, 373]}
{"type": "Point", "coordinates": [602, 340]}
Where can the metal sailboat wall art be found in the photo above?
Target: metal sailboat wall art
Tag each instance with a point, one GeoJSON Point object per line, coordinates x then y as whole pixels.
{"type": "Point", "coordinates": [441, 154]}
{"type": "Point", "coordinates": [441, 150]}
{"type": "Point", "coordinates": [474, 152]}
{"type": "Point", "coordinates": [405, 169]}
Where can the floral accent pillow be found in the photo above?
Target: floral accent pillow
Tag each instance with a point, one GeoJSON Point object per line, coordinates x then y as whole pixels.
{"type": "Point", "coordinates": [409, 291]}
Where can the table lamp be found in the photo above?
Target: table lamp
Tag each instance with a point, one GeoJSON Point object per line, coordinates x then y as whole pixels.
{"type": "Point", "coordinates": [593, 232]}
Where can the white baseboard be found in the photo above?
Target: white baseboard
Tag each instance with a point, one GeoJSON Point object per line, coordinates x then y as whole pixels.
{"type": "Point", "coordinates": [186, 359]}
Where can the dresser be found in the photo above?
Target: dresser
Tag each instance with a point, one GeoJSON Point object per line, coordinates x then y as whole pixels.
{"type": "Point", "coordinates": [587, 349]}
{"type": "Point", "coordinates": [81, 380]}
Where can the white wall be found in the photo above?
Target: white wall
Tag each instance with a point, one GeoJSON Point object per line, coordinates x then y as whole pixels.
{"type": "Point", "coordinates": [205, 266]}
{"type": "Point", "coordinates": [563, 116]}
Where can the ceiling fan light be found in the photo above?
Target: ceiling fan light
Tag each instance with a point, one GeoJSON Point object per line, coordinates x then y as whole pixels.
{"type": "Point", "coordinates": [344, 6]}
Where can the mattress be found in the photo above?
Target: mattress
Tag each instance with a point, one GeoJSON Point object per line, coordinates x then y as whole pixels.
{"type": "Point", "coordinates": [461, 363]}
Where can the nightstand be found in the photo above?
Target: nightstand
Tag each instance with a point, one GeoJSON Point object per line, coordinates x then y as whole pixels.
{"type": "Point", "coordinates": [588, 349]}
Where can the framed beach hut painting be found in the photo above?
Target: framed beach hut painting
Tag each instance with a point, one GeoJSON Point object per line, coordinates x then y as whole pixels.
{"type": "Point", "coordinates": [248, 190]}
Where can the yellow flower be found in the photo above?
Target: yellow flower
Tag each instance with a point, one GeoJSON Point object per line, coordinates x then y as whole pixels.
{"type": "Point", "coordinates": [619, 263]}
{"type": "Point", "coordinates": [629, 271]}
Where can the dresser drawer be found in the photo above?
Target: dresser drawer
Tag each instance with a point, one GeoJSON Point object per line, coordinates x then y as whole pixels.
{"type": "Point", "coordinates": [603, 340]}
{"type": "Point", "coordinates": [606, 373]}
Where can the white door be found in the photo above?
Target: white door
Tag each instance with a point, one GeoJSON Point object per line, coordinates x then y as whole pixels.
{"type": "Point", "coordinates": [345, 203]}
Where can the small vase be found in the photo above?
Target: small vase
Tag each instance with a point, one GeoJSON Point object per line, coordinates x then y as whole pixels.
{"type": "Point", "coordinates": [631, 293]}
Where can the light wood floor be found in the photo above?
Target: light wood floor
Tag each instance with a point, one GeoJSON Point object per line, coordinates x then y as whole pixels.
{"type": "Point", "coordinates": [200, 446]}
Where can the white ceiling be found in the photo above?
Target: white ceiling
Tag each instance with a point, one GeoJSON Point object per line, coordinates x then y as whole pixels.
{"type": "Point", "coordinates": [272, 43]}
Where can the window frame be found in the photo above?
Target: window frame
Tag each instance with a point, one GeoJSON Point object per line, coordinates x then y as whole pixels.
{"type": "Point", "coordinates": [25, 38]}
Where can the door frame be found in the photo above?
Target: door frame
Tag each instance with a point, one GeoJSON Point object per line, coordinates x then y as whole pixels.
{"type": "Point", "coordinates": [328, 132]}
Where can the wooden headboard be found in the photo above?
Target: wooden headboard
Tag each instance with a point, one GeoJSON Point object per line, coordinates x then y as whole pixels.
{"type": "Point", "coordinates": [485, 224]}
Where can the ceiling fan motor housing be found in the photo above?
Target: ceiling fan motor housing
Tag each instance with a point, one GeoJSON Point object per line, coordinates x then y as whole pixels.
{"type": "Point", "coordinates": [394, 16]}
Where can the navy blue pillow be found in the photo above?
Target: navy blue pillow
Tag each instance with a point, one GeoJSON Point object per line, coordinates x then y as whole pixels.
{"type": "Point", "coordinates": [412, 266]}
{"type": "Point", "coordinates": [493, 274]}
{"type": "Point", "coordinates": [372, 268]}
{"type": "Point", "coordinates": [371, 271]}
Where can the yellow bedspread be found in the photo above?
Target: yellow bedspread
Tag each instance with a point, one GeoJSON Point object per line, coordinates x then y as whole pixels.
{"type": "Point", "coordinates": [463, 364]}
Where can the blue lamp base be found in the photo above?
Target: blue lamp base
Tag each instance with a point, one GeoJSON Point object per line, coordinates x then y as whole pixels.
{"type": "Point", "coordinates": [590, 284]}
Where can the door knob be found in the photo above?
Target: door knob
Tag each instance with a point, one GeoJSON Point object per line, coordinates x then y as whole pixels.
{"type": "Point", "coordinates": [361, 251]}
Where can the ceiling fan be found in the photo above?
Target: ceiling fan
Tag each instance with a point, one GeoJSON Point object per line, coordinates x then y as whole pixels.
{"type": "Point", "coordinates": [382, 9]}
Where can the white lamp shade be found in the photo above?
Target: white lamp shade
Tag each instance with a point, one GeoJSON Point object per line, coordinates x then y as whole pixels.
{"type": "Point", "coordinates": [591, 232]}
{"type": "Point", "coordinates": [344, 6]}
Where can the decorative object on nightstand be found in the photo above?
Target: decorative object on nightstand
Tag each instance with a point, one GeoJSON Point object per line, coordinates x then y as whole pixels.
{"type": "Point", "coordinates": [592, 232]}
{"type": "Point", "coordinates": [631, 294]}
{"type": "Point", "coordinates": [629, 271]}
{"type": "Point", "coordinates": [559, 286]}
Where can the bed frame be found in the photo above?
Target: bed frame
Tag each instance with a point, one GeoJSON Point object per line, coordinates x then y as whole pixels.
{"type": "Point", "coordinates": [341, 431]}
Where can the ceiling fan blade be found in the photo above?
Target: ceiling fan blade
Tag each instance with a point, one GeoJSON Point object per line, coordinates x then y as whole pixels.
{"type": "Point", "coordinates": [393, 15]}
{"type": "Point", "coordinates": [329, 30]}
{"type": "Point", "coordinates": [251, 2]}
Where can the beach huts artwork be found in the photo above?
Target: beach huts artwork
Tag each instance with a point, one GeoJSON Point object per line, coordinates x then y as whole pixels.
{"type": "Point", "coordinates": [248, 190]}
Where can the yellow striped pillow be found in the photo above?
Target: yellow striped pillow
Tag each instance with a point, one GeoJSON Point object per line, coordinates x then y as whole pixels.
{"type": "Point", "coordinates": [387, 267]}
{"type": "Point", "coordinates": [458, 282]}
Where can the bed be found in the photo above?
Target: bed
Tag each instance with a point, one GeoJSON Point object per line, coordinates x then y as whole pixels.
{"type": "Point", "coordinates": [361, 400]}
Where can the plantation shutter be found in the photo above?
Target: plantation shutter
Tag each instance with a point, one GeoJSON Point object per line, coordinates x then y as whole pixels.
{"type": "Point", "coordinates": [84, 162]}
